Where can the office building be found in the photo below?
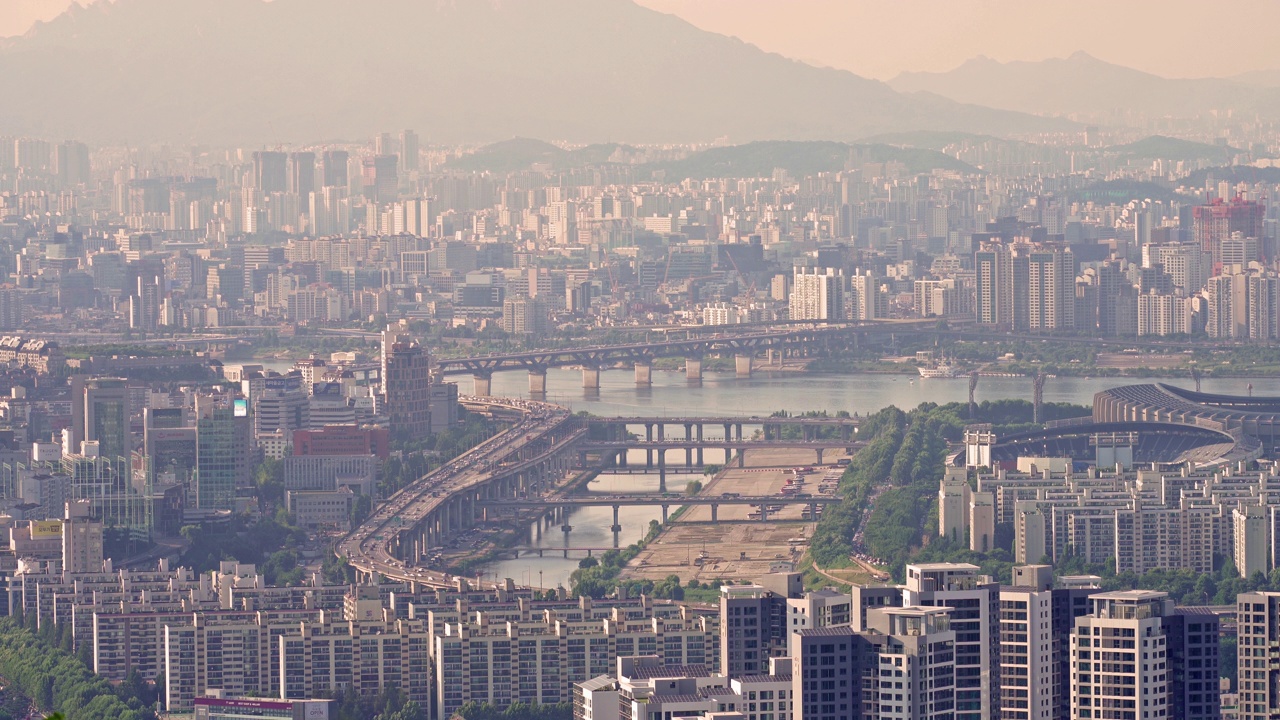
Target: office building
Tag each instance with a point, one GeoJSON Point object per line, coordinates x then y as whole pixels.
{"type": "Point", "coordinates": [301, 180]}
{"type": "Point", "coordinates": [381, 179]}
{"type": "Point", "coordinates": [270, 172]}
{"type": "Point", "coordinates": [222, 451]}
{"type": "Point", "coordinates": [219, 707]}
{"type": "Point", "coordinates": [409, 157]}
{"type": "Point", "coordinates": [281, 407]}
{"type": "Point", "coordinates": [106, 417]}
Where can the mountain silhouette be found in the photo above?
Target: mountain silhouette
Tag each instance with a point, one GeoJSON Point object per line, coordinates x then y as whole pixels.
{"type": "Point", "coordinates": [1082, 85]}
{"type": "Point", "coordinates": [581, 71]}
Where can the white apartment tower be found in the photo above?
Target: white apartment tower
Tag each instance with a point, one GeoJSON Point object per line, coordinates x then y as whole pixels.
{"type": "Point", "coordinates": [1119, 657]}
{"type": "Point", "coordinates": [1027, 687]}
{"type": "Point", "coordinates": [817, 294]}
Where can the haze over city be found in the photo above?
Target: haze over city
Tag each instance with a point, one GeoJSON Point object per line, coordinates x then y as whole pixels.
{"type": "Point", "coordinates": [639, 360]}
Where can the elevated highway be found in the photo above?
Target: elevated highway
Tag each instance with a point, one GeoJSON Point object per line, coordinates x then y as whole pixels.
{"type": "Point", "coordinates": [524, 459]}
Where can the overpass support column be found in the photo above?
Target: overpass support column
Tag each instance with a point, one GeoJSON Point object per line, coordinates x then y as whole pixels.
{"type": "Point", "coordinates": [665, 513]}
{"type": "Point", "coordinates": [482, 384]}
{"type": "Point", "coordinates": [662, 471]}
{"type": "Point", "coordinates": [693, 369]}
{"type": "Point", "coordinates": [688, 452]}
{"type": "Point", "coordinates": [743, 365]}
{"type": "Point", "coordinates": [715, 513]}
{"type": "Point", "coordinates": [590, 378]}
{"type": "Point", "coordinates": [819, 451]}
{"type": "Point", "coordinates": [538, 382]}
{"type": "Point", "coordinates": [644, 374]}
{"type": "Point", "coordinates": [617, 526]}
{"type": "Point", "coordinates": [648, 453]}
{"type": "Point", "coordinates": [742, 457]}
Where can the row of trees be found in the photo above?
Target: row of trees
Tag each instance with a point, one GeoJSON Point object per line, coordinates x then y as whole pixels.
{"type": "Point", "coordinates": [515, 711]}
{"type": "Point", "coordinates": [598, 578]}
{"type": "Point", "coordinates": [890, 488]}
{"type": "Point", "coordinates": [389, 704]}
{"type": "Point", "coordinates": [832, 541]}
{"type": "Point", "coordinates": [57, 681]}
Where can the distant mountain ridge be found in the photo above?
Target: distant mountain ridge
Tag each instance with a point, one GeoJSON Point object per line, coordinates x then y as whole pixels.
{"type": "Point", "coordinates": [1083, 84]}
{"type": "Point", "coordinates": [757, 159]}
{"type": "Point", "coordinates": [582, 71]}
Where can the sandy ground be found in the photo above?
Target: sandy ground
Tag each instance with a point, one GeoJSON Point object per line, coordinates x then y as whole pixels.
{"type": "Point", "coordinates": [739, 549]}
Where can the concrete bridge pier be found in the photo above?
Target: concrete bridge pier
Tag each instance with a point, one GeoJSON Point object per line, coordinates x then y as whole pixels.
{"type": "Point", "coordinates": [819, 451]}
{"type": "Point", "coordinates": [483, 382]}
{"type": "Point", "coordinates": [590, 378]}
{"type": "Point", "coordinates": [538, 382]}
{"type": "Point", "coordinates": [662, 471]}
{"type": "Point", "coordinates": [644, 374]}
{"type": "Point", "coordinates": [665, 513]}
{"type": "Point", "coordinates": [693, 369]}
{"type": "Point", "coordinates": [743, 365]}
{"type": "Point", "coordinates": [742, 457]}
{"type": "Point", "coordinates": [617, 526]}
{"type": "Point", "coordinates": [648, 453]}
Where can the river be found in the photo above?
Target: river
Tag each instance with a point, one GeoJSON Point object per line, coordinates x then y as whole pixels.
{"type": "Point", "coordinates": [762, 394]}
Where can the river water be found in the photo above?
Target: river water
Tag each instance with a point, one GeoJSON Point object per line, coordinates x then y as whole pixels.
{"type": "Point", "coordinates": [762, 394]}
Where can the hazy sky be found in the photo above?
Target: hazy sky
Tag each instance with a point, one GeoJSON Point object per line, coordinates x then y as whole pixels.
{"type": "Point", "coordinates": [880, 38]}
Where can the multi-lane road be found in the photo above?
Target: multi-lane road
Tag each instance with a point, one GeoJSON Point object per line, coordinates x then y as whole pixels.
{"type": "Point", "coordinates": [544, 430]}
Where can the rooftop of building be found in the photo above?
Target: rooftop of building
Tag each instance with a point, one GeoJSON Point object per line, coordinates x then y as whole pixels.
{"type": "Point", "coordinates": [1131, 595]}
{"type": "Point", "coordinates": [764, 678]}
{"type": "Point", "coordinates": [669, 671]}
{"type": "Point", "coordinates": [830, 631]}
{"type": "Point", "coordinates": [603, 682]}
{"type": "Point", "coordinates": [944, 567]}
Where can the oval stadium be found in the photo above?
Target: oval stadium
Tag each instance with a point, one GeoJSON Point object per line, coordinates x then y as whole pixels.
{"type": "Point", "coordinates": [1254, 417]}
{"type": "Point", "coordinates": [1105, 443]}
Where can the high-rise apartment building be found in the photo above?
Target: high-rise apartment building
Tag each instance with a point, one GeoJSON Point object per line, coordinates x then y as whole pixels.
{"type": "Point", "coordinates": [817, 294]}
{"type": "Point", "coordinates": [1051, 289]}
{"type": "Point", "coordinates": [1214, 223]}
{"type": "Point", "coordinates": [993, 282]}
{"type": "Point", "coordinates": [406, 384]}
{"type": "Point", "coordinates": [754, 623]}
{"type": "Point", "coordinates": [975, 605]}
{"type": "Point", "coordinates": [1136, 656]}
{"type": "Point", "coordinates": [1185, 263]}
{"type": "Point", "coordinates": [1027, 652]}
